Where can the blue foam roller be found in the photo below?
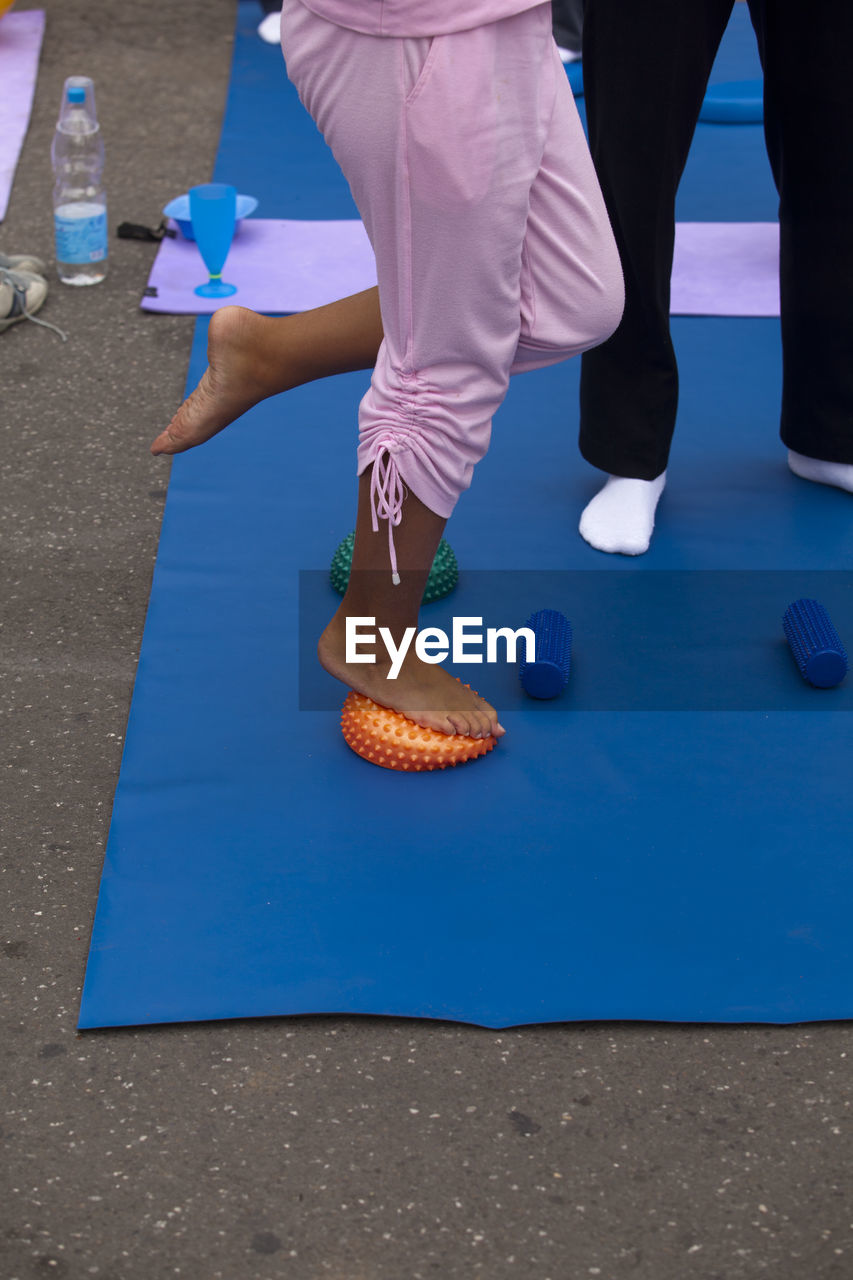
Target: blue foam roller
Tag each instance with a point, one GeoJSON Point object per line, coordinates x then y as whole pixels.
{"type": "Point", "coordinates": [548, 675]}
{"type": "Point", "coordinates": [734, 102]}
{"type": "Point", "coordinates": [815, 644]}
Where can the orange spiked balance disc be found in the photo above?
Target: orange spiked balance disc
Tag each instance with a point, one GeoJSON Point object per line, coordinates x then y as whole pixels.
{"type": "Point", "coordinates": [391, 740]}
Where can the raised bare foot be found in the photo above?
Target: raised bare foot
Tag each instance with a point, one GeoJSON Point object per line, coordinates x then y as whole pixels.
{"type": "Point", "coordinates": [425, 693]}
{"type": "Point", "coordinates": [238, 376]}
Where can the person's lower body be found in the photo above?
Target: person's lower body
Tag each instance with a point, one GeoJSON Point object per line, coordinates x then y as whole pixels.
{"type": "Point", "coordinates": [494, 256]}
{"type": "Point", "coordinates": [552, 286]}
{"type": "Point", "coordinates": [645, 75]}
{"type": "Point", "coordinates": [808, 124]}
{"type": "Point", "coordinates": [646, 68]}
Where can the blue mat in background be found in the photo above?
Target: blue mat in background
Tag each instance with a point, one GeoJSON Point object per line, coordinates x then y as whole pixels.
{"type": "Point", "coordinates": [620, 855]}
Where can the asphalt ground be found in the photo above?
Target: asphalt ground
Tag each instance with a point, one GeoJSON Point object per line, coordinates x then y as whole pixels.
{"type": "Point", "coordinates": [351, 1148]}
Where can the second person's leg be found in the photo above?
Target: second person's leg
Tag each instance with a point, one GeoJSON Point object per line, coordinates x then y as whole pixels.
{"type": "Point", "coordinates": [646, 67]}
{"type": "Point", "coordinates": [808, 124]}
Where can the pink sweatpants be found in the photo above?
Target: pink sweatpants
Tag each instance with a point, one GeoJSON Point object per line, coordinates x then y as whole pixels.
{"type": "Point", "coordinates": [494, 254]}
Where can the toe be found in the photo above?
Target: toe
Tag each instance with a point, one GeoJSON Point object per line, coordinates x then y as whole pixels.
{"type": "Point", "coordinates": [458, 723]}
{"type": "Point", "coordinates": [480, 725]}
{"type": "Point", "coordinates": [491, 718]}
{"type": "Point", "coordinates": [166, 443]}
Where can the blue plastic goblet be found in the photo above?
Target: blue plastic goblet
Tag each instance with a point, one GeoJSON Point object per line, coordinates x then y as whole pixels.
{"type": "Point", "coordinates": [213, 212]}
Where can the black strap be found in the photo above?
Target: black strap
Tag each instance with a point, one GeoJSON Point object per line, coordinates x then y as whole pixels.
{"type": "Point", "coordinates": [133, 231]}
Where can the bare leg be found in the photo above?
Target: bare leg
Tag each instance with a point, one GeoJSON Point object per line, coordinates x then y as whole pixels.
{"type": "Point", "coordinates": [252, 356]}
{"type": "Point", "coordinates": [425, 693]}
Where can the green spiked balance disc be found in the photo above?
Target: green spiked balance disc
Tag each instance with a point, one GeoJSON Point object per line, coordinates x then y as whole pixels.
{"type": "Point", "coordinates": [443, 576]}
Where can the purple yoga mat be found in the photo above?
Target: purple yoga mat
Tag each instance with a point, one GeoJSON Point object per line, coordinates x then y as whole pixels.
{"type": "Point", "coordinates": [276, 266]}
{"type": "Point", "coordinates": [726, 269]}
{"type": "Point", "coordinates": [720, 268]}
{"type": "Point", "coordinates": [20, 46]}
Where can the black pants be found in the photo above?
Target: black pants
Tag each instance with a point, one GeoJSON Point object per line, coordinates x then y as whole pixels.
{"type": "Point", "coordinates": [567, 21]}
{"type": "Point", "coordinates": [646, 67]}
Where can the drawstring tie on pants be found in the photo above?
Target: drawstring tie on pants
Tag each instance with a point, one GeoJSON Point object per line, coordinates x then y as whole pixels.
{"type": "Point", "coordinates": [387, 492]}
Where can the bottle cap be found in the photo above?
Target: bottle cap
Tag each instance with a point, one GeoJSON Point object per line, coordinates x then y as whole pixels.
{"type": "Point", "coordinates": [77, 92]}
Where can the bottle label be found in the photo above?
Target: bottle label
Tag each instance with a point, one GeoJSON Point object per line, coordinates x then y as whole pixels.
{"type": "Point", "coordinates": [81, 233]}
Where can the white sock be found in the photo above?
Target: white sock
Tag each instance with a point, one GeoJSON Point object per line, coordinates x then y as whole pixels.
{"type": "Point", "coordinates": [839, 474]}
{"type": "Point", "coordinates": [621, 516]}
{"type": "Point", "coordinates": [270, 28]}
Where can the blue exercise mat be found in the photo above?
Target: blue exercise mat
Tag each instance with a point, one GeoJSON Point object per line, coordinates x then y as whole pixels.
{"type": "Point", "coordinates": [624, 853]}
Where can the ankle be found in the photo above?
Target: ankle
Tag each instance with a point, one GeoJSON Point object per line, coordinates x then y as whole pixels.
{"type": "Point", "coordinates": [268, 349]}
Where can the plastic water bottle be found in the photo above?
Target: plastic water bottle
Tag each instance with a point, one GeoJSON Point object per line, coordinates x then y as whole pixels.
{"type": "Point", "coordinates": [79, 200]}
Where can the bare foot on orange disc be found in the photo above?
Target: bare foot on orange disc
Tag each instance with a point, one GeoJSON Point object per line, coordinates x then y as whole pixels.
{"type": "Point", "coordinates": [239, 375]}
{"type": "Point", "coordinates": [425, 693]}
